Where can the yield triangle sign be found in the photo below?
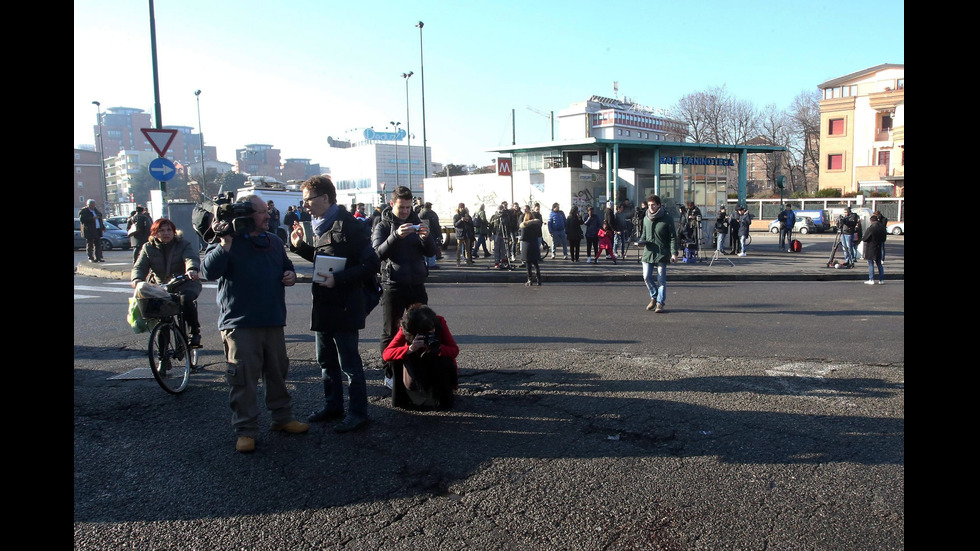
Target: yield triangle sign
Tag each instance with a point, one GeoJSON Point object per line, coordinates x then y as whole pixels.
{"type": "Point", "coordinates": [160, 138]}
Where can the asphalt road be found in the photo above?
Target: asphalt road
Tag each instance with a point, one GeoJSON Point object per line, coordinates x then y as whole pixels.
{"type": "Point", "coordinates": [751, 416]}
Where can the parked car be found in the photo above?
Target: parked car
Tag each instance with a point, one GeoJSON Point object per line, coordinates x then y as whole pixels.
{"type": "Point", "coordinates": [112, 237]}
{"type": "Point", "coordinates": [118, 221]}
{"type": "Point", "coordinates": [897, 228]}
{"type": "Point", "coordinates": [804, 225]}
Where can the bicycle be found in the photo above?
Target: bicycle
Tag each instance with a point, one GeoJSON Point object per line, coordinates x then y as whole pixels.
{"type": "Point", "coordinates": [172, 359]}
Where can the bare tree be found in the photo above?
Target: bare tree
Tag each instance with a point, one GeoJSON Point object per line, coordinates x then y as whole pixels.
{"type": "Point", "coordinates": [804, 116]}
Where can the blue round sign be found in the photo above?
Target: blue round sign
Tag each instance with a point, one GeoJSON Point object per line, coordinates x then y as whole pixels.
{"type": "Point", "coordinates": [162, 169]}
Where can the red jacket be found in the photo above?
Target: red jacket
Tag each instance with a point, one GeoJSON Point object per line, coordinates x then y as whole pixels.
{"type": "Point", "coordinates": [398, 347]}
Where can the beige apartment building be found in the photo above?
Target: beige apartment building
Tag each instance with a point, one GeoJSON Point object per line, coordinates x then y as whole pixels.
{"type": "Point", "coordinates": [862, 131]}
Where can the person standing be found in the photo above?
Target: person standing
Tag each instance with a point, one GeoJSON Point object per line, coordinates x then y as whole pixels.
{"type": "Point", "coordinates": [624, 230]}
{"type": "Point", "coordinates": [556, 227]}
{"type": "Point", "coordinates": [850, 226]}
{"type": "Point", "coordinates": [274, 218]}
{"type": "Point", "coordinates": [592, 225]}
{"type": "Point", "coordinates": [573, 231]}
{"type": "Point", "coordinates": [402, 243]}
{"type": "Point", "coordinates": [463, 223]}
{"type": "Point", "coordinates": [659, 238]}
{"type": "Point", "coordinates": [339, 307]}
{"type": "Point", "coordinates": [787, 221]}
{"type": "Point", "coordinates": [290, 218]}
{"type": "Point", "coordinates": [482, 228]}
{"type": "Point", "coordinates": [874, 246]}
{"type": "Point", "coordinates": [531, 247]}
{"type": "Point", "coordinates": [139, 230]}
{"type": "Point", "coordinates": [721, 230]}
{"type": "Point", "coordinates": [744, 223]}
{"type": "Point", "coordinates": [432, 218]}
{"type": "Point", "coordinates": [93, 224]}
{"type": "Point", "coordinates": [252, 271]}
{"type": "Point", "coordinates": [499, 232]}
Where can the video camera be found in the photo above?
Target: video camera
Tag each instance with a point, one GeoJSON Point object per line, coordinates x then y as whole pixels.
{"type": "Point", "coordinates": [220, 216]}
{"type": "Point", "coordinates": [232, 218]}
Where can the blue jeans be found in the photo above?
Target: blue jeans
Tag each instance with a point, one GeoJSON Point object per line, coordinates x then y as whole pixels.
{"type": "Point", "coordinates": [335, 352]}
{"type": "Point", "coordinates": [556, 238]}
{"type": "Point", "coordinates": [499, 249]}
{"type": "Point", "coordinates": [722, 237]}
{"type": "Point", "coordinates": [742, 240]}
{"type": "Point", "coordinates": [847, 242]}
{"type": "Point", "coordinates": [871, 270]}
{"type": "Point", "coordinates": [620, 242]}
{"type": "Point", "coordinates": [657, 286]}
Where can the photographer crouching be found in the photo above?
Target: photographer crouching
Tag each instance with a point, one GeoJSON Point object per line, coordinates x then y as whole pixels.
{"type": "Point", "coordinates": [423, 360]}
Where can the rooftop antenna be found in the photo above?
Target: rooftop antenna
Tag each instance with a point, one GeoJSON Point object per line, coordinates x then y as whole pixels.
{"type": "Point", "coordinates": [616, 89]}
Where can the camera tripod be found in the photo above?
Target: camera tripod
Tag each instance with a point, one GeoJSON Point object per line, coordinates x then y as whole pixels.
{"type": "Point", "coordinates": [718, 252]}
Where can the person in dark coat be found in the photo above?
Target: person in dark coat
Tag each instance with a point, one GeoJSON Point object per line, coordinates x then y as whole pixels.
{"type": "Point", "coordinates": [874, 243]}
{"type": "Point", "coordinates": [167, 254]}
{"type": "Point", "coordinates": [573, 231]}
{"type": "Point", "coordinates": [592, 225]}
{"type": "Point", "coordinates": [93, 224]}
{"type": "Point", "coordinates": [531, 247]}
{"type": "Point", "coordinates": [338, 302]}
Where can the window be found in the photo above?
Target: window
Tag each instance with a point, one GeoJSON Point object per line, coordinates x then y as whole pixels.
{"type": "Point", "coordinates": [835, 162]}
{"type": "Point", "coordinates": [836, 127]}
{"type": "Point", "coordinates": [884, 158]}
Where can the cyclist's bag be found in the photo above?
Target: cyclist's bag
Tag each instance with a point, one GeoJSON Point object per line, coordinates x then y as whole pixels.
{"type": "Point", "coordinates": [135, 317]}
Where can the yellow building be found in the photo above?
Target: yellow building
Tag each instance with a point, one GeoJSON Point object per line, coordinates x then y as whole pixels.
{"type": "Point", "coordinates": [862, 131]}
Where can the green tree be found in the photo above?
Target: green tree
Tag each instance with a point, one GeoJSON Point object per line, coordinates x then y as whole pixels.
{"type": "Point", "coordinates": [451, 170]}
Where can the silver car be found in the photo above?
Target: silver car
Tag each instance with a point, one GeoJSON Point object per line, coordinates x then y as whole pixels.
{"type": "Point", "coordinates": [804, 225]}
{"type": "Point", "coordinates": [112, 237]}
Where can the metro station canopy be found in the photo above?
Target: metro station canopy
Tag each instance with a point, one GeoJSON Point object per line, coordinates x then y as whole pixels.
{"type": "Point", "coordinates": [608, 134]}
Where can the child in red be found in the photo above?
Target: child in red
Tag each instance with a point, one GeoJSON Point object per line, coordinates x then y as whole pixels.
{"type": "Point", "coordinates": [423, 358]}
{"type": "Point", "coordinates": [605, 243]}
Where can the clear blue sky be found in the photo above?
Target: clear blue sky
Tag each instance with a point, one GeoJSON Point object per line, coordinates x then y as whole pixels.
{"type": "Point", "coordinates": [292, 72]}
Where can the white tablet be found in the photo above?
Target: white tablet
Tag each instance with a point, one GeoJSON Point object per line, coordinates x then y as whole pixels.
{"type": "Point", "coordinates": [324, 264]}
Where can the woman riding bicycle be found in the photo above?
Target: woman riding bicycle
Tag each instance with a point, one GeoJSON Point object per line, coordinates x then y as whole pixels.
{"type": "Point", "coordinates": [165, 255]}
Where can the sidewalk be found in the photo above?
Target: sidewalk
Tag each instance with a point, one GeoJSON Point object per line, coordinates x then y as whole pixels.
{"type": "Point", "coordinates": [763, 263]}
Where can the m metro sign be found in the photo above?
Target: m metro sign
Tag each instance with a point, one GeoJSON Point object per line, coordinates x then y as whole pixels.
{"type": "Point", "coordinates": [160, 138]}
{"type": "Point", "coordinates": [505, 166]}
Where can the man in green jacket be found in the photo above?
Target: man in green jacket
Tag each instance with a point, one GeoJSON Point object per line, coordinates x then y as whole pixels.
{"type": "Point", "coordinates": [660, 247]}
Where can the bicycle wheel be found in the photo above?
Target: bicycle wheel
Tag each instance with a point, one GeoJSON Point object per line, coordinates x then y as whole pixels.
{"type": "Point", "coordinates": [170, 360]}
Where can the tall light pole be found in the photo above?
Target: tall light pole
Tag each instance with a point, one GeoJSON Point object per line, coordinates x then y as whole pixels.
{"type": "Point", "coordinates": [425, 153]}
{"type": "Point", "coordinates": [204, 170]}
{"type": "Point", "coordinates": [408, 126]}
{"type": "Point", "coordinates": [105, 185]}
{"type": "Point", "coordinates": [396, 125]}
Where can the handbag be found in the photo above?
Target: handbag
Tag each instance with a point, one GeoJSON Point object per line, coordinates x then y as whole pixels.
{"type": "Point", "coordinates": [135, 318]}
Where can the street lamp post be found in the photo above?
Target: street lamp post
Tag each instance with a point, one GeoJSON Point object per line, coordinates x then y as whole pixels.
{"type": "Point", "coordinates": [425, 153]}
{"type": "Point", "coordinates": [396, 125]}
{"type": "Point", "coordinates": [105, 185]}
{"type": "Point", "coordinates": [408, 126]}
{"type": "Point", "coordinates": [204, 170]}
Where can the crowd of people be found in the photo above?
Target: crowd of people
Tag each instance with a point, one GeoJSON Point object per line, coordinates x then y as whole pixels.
{"type": "Point", "coordinates": [388, 254]}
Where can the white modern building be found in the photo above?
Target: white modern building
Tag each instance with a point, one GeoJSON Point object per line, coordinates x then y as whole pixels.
{"type": "Point", "coordinates": [368, 164]}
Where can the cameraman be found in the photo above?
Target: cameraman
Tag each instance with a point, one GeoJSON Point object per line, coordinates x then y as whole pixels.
{"type": "Point", "coordinates": [848, 224]}
{"type": "Point", "coordinates": [252, 271]}
{"type": "Point", "coordinates": [721, 229]}
{"type": "Point", "coordinates": [423, 356]}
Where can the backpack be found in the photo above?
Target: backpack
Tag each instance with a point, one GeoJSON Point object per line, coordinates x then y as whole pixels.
{"type": "Point", "coordinates": [202, 217]}
{"type": "Point", "coordinates": [796, 246]}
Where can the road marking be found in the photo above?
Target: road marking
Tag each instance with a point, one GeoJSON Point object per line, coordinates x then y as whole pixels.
{"type": "Point", "coordinates": [102, 289]}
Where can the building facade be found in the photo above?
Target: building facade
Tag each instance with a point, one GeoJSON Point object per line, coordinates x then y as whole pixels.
{"type": "Point", "coordinates": [862, 131]}
{"type": "Point", "coordinates": [120, 169]}
{"type": "Point", "coordinates": [299, 169]}
{"type": "Point", "coordinates": [88, 178]}
{"type": "Point", "coordinates": [258, 160]}
{"type": "Point", "coordinates": [369, 164]}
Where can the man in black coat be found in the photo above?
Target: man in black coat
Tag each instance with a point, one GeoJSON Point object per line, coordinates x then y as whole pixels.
{"type": "Point", "coordinates": [93, 224]}
{"type": "Point", "coordinates": [402, 243]}
{"type": "Point", "coordinates": [338, 301]}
